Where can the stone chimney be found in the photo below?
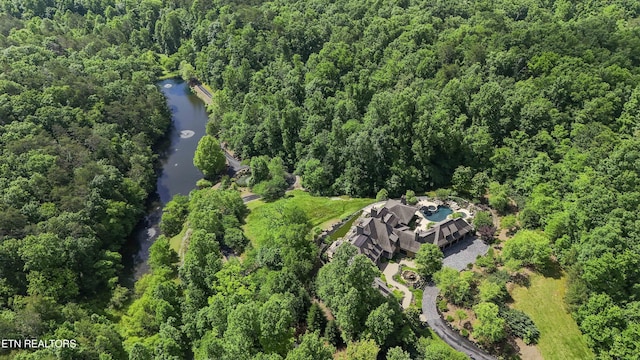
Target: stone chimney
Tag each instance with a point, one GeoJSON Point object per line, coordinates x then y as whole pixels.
{"type": "Point", "coordinates": [403, 200]}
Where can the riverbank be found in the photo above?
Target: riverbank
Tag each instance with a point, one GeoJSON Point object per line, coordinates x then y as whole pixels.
{"type": "Point", "coordinates": [177, 174]}
{"type": "Point", "coordinates": [202, 91]}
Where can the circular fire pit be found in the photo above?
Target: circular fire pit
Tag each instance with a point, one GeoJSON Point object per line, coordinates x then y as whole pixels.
{"type": "Point", "coordinates": [410, 277]}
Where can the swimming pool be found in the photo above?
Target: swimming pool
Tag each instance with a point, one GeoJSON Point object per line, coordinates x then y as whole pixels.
{"type": "Point", "coordinates": [436, 216]}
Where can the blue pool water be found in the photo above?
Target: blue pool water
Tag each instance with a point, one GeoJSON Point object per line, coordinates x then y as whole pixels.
{"type": "Point", "coordinates": [440, 214]}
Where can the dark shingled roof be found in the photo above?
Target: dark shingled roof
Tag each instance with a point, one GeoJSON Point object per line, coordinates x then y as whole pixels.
{"type": "Point", "coordinates": [382, 287]}
{"type": "Point", "coordinates": [408, 241]}
{"type": "Point", "coordinates": [386, 231]}
{"type": "Point", "coordinates": [380, 234]}
{"type": "Point", "coordinates": [447, 231]}
{"type": "Point", "coordinates": [403, 212]}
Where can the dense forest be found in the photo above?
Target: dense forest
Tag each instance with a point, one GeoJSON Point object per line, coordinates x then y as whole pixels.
{"type": "Point", "coordinates": [79, 120]}
{"type": "Point", "coordinates": [540, 96]}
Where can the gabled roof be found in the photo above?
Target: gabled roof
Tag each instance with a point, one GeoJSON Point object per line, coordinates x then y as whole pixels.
{"type": "Point", "coordinates": [381, 234]}
{"type": "Point", "coordinates": [446, 232]}
{"type": "Point", "coordinates": [386, 231]}
{"type": "Point", "coordinates": [404, 213]}
{"type": "Point", "coordinates": [408, 241]}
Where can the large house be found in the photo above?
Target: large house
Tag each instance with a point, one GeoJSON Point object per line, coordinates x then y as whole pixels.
{"type": "Point", "coordinates": [389, 231]}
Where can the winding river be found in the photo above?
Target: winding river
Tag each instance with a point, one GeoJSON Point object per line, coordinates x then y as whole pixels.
{"type": "Point", "coordinates": [177, 174]}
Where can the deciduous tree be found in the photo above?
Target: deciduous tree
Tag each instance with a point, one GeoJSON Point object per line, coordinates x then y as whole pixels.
{"type": "Point", "coordinates": [209, 157]}
{"type": "Point", "coordinates": [429, 259]}
{"type": "Point", "coordinates": [490, 327]}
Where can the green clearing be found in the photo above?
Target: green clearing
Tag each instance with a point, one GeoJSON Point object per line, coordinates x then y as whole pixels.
{"type": "Point", "coordinates": [322, 211]}
{"type": "Point", "coordinates": [560, 337]}
{"type": "Point", "coordinates": [169, 75]}
{"type": "Point", "coordinates": [344, 229]}
{"type": "Point", "coordinates": [176, 241]}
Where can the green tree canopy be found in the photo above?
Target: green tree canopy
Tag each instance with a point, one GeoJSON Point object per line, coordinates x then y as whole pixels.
{"type": "Point", "coordinates": [528, 248]}
{"type": "Point", "coordinates": [429, 259]}
{"type": "Point", "coordinates": [490, 327]}
{"type": "Point", "coordinates": [209, 157]}
{"type": "Point", "coordinates": [312, 347]}
{"type": "Point", "coordinates": [455, 285]}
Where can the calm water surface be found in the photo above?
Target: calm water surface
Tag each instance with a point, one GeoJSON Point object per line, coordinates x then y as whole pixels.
{"type": "Point", "coordinates": [177, 175]}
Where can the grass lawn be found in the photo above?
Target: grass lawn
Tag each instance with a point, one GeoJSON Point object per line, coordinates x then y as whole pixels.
{"type": "Point", "coordinates": [168, 75]}
{"type": "Point", "coordinates": [176, 241]}
{"type": "Point", "coordinates": [560, 337]}
{"type": "Point", "coordinates": [344, 229]}
{"type": "Point", "coordinates": [322, 211]}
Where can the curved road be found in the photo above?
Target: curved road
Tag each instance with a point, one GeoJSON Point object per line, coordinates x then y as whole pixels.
{"type": "Point", "coordinates": [443, 330]}
{"type": "Point", "coordinates": [457, 257]}
{"type": "Point", "coordinates": [246, 199]}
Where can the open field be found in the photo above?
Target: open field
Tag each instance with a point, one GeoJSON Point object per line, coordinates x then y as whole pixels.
{"type": "Point", "coordinates": [322, 211]}
{"type": "Point", "coordinates": [560, 337]}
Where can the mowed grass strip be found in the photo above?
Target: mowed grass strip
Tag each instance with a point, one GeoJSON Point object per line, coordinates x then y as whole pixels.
{"type": "Point", "coordinates": [321, 211]}
{"type": "Point", "coordinates": [560, 337]}
{"type": "Point", "coordinates": [176, 242]}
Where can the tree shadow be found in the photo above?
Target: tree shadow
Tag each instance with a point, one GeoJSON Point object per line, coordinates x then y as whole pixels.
{"type": "Point", "coordinates": [552, 270]}
{"type": "Point", "coordinates": [521, 279]}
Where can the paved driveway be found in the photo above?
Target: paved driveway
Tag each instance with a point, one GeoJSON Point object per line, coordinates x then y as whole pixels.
{"type": "Point", "coordinates": [450, 336]}
{"type": "Point", "coordinates": [463, 253]}
{"type": "Point", "coordinates": [246, 199]}
{"type": "Point", "coordinates": [457, 257]}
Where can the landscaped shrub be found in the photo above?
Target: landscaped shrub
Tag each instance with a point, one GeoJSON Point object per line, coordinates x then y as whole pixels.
{"type": "Point", "coordinates": [509, 223]}
{"type": "Point", "coordinates": [382, 195]}
{"type": "Point", "coordinates": [316, 321]}
{"type": "Point", "coordinates": [486, 262]}
{"type": "Point", "coordinates": [243, 181]}
{"type": "Point", "coordinates": [332, 333]}
{"type": "Point", "coordinates": [411, 197]}
{"type": "Point", "coordinates": [464, 332]}
{"type": "Point", "coordinates": [487, 233]}
{"type": "Point", "coordinates": [520, 325]}
{"type": "Point", "coordinates": [442, 305]}
{"type": "Point", "coordinates": [443, 193]}
{"type": "Point", "coordinates": [482, 218]}
{"type": "Point", "coordinates": [456, 215]}
{"type": "Point", "coordinates": [225, 182]}
{"type": "Point", "coordinates": [398, 295]}
{"type": "Point", "coordinates": [271, 190]}
{"type": "Point", "coordinates": [204, 183]}
{"type": "Point", "coordinates": [489, 291]}
{"type": "Point", "coordinates": [500, 277]}
{"type": "Point", "coordinates": [450, 318]}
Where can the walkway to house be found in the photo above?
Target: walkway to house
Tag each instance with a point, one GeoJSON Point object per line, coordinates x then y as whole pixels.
{"type": "Point", "coordinates": [389, 270]}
